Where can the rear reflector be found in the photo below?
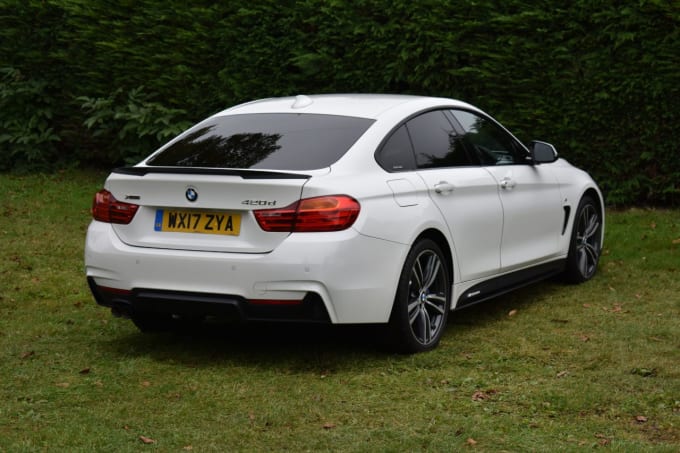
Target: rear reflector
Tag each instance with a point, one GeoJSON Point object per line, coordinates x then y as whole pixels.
{"type": "Point", "coordinates": [329, 213]}
{"type": "Point", "coordinates": [120, 292]}
{"type": "Point", "coordinates": [278, 302]}
{"type": "Point", "coordinates": [106, 208]}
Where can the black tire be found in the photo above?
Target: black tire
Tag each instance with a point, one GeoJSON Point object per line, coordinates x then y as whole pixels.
{"type": "Point", "coordinates": [586, 242]}
{"type": "Point", "coordinates": [421, 306]}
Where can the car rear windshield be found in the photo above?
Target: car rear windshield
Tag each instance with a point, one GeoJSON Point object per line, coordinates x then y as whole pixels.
{"type": "Point", "coordinates": [272, 141]}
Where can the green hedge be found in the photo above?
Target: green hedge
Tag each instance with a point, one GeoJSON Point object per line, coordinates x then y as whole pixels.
{"type": "Point", "coordinates": [100, 83]}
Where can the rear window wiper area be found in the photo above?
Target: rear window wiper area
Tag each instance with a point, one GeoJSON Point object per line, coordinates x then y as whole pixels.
{"type": "Point", "coordinates": [264, 141]}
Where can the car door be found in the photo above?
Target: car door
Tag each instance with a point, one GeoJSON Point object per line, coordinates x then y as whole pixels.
{"type": "Point", "coordinates": [530, 194]}
{"type": "Point", "coordinates": [465, 193]}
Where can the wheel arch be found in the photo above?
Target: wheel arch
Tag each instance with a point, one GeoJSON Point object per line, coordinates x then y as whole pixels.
{"type": "Point", "coordinates": [438, 237]}
{"type": "Point", "coordinates": [597, 197]}
{"type": "Point", "coordinates": [583, 254]}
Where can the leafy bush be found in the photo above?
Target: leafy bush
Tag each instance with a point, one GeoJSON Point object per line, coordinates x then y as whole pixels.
{"type": "Point", "coordinates": [598, 79]}
{"type": "Point", "coordinates": [26, 110]}
{"type": "Point", "coordinates": [131, 125]}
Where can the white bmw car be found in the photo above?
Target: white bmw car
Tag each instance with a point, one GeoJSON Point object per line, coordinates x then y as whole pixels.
{"type": "Point", "coordinates": [342, 209]}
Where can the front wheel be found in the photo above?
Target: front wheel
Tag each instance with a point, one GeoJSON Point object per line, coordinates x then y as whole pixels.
{"type": "Point", "coordinates": [586, 242]}
{"type": "Point", "coordinates": [421, 305]}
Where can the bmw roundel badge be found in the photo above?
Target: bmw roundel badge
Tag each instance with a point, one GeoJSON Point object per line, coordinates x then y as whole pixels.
{"type": "Point", "coordinates": [191, 194]}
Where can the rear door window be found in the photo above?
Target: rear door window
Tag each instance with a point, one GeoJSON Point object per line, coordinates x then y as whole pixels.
{"type": "Point", "coordinates": [436, 143]}
{"type": "Point", "coordinates": [428, 140]}
{"type": "Point", "coordinates": [272, 141]}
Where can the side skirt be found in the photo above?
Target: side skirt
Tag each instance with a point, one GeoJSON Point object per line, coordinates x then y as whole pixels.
{"type": "Point", "coordinates": [509, 282]}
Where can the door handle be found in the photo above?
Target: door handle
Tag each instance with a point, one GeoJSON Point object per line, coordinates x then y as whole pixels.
{"type": "Point", "coordinates": [443, 187]}
{"type": "Point", "coordinates": [507, 183]}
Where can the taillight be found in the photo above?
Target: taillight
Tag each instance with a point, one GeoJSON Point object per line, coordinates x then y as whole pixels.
{"type": "Point", "coordinates": [329, 213]}
{"type": "Point", "coordinates": [106, 208]}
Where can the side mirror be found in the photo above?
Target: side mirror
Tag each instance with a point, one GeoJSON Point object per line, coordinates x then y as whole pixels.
{"type": "Point", "coordinates": [542, 152]}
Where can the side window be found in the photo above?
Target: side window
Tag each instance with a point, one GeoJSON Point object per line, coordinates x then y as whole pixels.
{"type": "Point", "coordinates": [397, 152]}
{"type": "Point", "coordinates": [435, 142]}
{"type": "Point", "coordinates": [491, 143]}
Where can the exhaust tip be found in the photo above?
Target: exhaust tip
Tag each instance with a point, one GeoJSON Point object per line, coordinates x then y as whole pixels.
{"type": "Point", "coordinates": [121, 309]}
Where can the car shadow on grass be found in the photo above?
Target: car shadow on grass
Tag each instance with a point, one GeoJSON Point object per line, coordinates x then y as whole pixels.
{"type": "Point", "coordinates": [252, 343]}
{"type": "Point", "coordinates": [259, 343]}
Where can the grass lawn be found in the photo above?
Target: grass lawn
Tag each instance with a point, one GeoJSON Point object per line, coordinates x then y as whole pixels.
{"type": "Point", "coordinates": [549, 368]}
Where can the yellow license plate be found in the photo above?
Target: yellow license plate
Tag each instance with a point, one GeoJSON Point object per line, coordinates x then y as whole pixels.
{"type": "Point", "coordinates": [184, 221]}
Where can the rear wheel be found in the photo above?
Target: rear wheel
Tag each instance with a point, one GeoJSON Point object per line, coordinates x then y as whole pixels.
{"type": "Point", "coordinates": [421, 305]}
{"type": "Point", "coordinates": [586, 242]}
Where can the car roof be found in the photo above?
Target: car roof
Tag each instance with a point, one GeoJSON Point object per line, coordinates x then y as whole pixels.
{"type": "Point", "coordinates": [357, 105]}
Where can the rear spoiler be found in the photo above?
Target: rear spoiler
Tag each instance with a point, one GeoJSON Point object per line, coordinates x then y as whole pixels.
{"type": "Point", "coordinates": [245, 174]}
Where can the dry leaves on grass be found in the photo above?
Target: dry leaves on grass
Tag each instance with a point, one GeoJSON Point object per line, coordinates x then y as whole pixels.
{"type": "Point", "coordinates": [147, 440]}
{"type": "Point", "coordinates": [604, 440]}
{"type": "Point", "coordinates": [481, 396]}
{"type": "Point", "coordinates": [616, 308]}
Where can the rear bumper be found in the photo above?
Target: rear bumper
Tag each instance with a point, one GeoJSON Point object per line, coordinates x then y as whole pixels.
{"type": "Point", "coordinates": [339, 277]}
{"type": "Point", "coordinates": [140, 301]}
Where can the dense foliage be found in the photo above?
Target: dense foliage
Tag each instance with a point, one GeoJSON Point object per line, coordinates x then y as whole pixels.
{"type": "Point", "coordinates": [98, 82]}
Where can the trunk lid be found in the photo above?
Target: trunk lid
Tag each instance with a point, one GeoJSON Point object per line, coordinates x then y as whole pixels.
{"type": "Point", "coordinates": [220, 218]}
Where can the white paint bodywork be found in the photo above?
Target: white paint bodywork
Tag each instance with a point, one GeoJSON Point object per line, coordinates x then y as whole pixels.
{"type": "Point", "coordinates": [489, 229]}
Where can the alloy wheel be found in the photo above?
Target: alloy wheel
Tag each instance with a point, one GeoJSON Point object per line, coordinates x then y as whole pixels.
{"type": "Point", "coordinates": [427, 297]}
{"type": "Point", "coordinates": [588, 240]}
